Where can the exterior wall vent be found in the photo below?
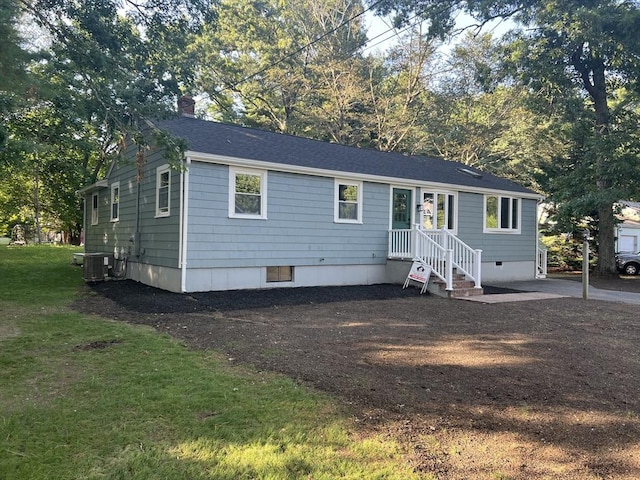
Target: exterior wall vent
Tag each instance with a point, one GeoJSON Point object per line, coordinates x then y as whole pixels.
{"type": "Point", "coordinates": [97, 266]}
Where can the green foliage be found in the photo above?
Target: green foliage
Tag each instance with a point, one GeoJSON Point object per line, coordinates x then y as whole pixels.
{"type": "Point", "coordinates": [568, 51]}
{"type": "Point", "coordinates": [82, 397]}
{"type": "Point", "coordinates": [266, 66]}
{"type": "Point", "coordinates": [485, 121]}
{"type": "Point", "coordinates": [13, 59]}
{"type": "Point", "coordinates": [103, 67]}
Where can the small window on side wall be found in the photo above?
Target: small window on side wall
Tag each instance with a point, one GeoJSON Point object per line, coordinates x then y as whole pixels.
{"type": "Point", "coordinates": [501, 214]}
{"type": "Point", "coordinates": [94, 209]}
{"type": "Point", "coordinates": [247, 193]}
{"type": "Point", "coordinates": [115, 202]}
{"type": "Point", "coordinates": [163, 191]}
{"type": "Point", "coordinates": [279, 274]}
{"type": "Point", "coordinates": [348, 202]}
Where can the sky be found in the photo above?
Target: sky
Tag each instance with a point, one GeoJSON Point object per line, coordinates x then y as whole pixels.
{"type": "Point", "coordinates": [382, 39]}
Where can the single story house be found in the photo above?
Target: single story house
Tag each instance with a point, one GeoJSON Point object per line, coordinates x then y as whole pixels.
{"type": "Point", "coordinates": [250, 209]}
{"type": "Point", "coordinates": [628, 230]}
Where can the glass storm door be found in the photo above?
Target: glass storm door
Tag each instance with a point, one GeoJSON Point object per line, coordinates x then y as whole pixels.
{"type": "Point", "coordinates": [438, 210]}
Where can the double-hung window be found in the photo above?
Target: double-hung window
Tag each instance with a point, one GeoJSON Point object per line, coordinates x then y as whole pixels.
{"type": "Point", "coordinates": [163, 191]}
{"type": "Point", "coordinates": [348, 202]}
{"type": "Point", "coordinates": [115, 202]}
{"type": "Point", "coordinates": [94, 209]}
{"type": "Point", "coordinates": [247, 193]}
{"type": "Point", "coordinates": [501, 214]}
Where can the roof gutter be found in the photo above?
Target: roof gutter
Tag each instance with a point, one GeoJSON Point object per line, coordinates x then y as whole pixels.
{"type": "Point", "coordinates": [94, 186]}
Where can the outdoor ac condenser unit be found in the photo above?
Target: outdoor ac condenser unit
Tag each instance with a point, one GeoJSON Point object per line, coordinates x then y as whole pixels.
{"type": "Point", "coordinates": [97, 266]}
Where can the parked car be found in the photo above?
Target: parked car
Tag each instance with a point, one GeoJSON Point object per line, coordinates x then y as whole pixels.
{"type": "Point", "coordinates": [628, 263]}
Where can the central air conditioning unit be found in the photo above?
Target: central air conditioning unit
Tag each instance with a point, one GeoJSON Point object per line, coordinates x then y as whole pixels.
{"type": "Point", "coordinates": [97, 266]}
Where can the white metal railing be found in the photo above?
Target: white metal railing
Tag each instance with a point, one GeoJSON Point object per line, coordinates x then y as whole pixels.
{"type": "Point", "coordinates": [440, 249]}
{"type": "Point", "coordinates": [541, 262]}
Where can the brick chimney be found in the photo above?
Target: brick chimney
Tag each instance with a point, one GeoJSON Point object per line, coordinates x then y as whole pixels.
{"type": "Point", "coordinates": [186, 106]}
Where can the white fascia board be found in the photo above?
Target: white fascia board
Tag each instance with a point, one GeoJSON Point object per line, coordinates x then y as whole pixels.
{"type": "Point", "coordinates": [321, 172]}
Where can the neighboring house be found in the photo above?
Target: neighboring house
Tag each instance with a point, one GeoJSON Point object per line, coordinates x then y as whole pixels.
{"type": "Point", "coordinates": [255, 209]}
{"type": "Point", "coordinates": [628, 230]}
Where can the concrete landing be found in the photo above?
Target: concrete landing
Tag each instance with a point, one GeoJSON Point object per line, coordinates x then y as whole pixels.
{"type": "Point", "coordinates": [512, 297]}
{"type": "Point", "coordinates": [555, 288]}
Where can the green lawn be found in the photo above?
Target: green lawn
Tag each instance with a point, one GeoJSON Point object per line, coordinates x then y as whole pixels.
{"type": "Point", "coordinates": [88, 398]}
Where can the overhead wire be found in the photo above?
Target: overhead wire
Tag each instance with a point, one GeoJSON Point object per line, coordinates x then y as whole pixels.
{"type": "Point", "coordinates": [362, 47]}
{"type": "Point", "coordinates": [309, 44]}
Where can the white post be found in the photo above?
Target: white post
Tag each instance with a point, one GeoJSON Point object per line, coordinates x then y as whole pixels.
{"type": "Point", "coordinates": [585, 265]}
{"type": "Point", "coordinates": [477, 273]}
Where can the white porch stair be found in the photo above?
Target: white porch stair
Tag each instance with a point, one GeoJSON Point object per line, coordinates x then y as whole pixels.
{"type": "Point", "coordinates": [455, 267]}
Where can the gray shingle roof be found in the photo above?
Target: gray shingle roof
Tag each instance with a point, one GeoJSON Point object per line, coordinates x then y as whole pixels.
{"type": "Point", "coordinates": [261, 145]}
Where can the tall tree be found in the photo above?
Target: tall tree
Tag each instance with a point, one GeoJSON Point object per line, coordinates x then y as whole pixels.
{"type": "Point", "coordinates": [401, 92]}
{"type": "Point", "coordinates": [126, 57]}
{"type": "Point", "coordinates": [287, 66]}
{"type": "Point", "coordinates": [103, 66]}
{"type": "Point", "coordinates": [13, 60]}
{"type": "Point", "coordinates": [592, 46]}
{"type": "Point", "coordinates": [333, 98]}
{"type": "Point", "coordinates": [248, 70]}
{"type": "Point", "coordinates": [489, 122]}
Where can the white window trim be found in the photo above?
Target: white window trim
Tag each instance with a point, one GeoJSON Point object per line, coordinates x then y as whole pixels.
{"type": "Point", "coordinates": [336, 201]}
{"type": "Point", "coordinates": [233, 171]}
{"type": "Point", "coordinates": [511, 231]}
{"type": "Point", "coordinates": [159, 172]}
{"type": "Point", "coordinates": [95, 217]}
{"type": "Point", "coordinates": [454, 214]}
{"type": "Point", "coordinates": [114, 186]}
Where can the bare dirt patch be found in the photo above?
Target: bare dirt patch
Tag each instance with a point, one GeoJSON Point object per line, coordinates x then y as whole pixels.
{"type": "Point", "coordinates": [545, 389]}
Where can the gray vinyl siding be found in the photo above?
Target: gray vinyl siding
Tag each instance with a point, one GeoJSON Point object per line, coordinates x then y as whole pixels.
{"type": "Point", "coordinates": [94, 234]}
{"type": "Point", "coordinates": [503, 247]}
{"type": "Point", "coordinates": [159, 237]}
{"type": "Point", "coordinates": [299, 229]}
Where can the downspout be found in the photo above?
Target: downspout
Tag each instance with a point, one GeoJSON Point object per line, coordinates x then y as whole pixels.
{"type": "Point", "coordinates": [83, 233]}
{"type": "Point", "coordinates": [539, 211]}
{"type": "Point", "coordinates": [184, 222]}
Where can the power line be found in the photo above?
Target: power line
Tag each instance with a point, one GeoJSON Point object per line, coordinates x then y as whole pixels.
{"type": "Point", "coordinates": [309, 44]}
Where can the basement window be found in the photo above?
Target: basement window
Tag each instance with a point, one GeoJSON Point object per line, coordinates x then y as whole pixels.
{"type": "Point", "coordinates": [279, 274]}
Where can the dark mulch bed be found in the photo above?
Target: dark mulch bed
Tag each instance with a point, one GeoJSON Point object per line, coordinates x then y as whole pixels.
{"type": "Point", "coordinates": [544, 389]}
{"type": "Point", "coordinates": [141, 298]}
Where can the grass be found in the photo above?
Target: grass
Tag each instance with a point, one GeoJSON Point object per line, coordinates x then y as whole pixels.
{"type": "Point", "coordinates": [88, 398]}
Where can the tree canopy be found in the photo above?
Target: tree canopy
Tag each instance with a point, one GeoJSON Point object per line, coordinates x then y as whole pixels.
{"type": "Point", "coordinates": [568, 49]}
{"type": "Point", "coordinates": [97, 69]}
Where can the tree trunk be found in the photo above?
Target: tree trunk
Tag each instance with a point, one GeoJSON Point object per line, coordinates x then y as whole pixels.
{"type": "Point", "coordinates": [606, 241]}
{"type": "Point", "coordinates": [592, 73]}
{"type": "Point", "coordinates": [606, 224]}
